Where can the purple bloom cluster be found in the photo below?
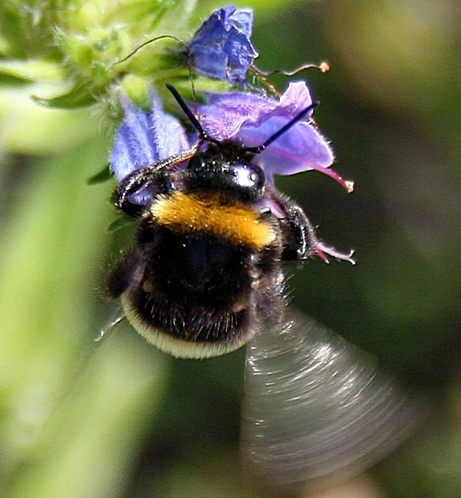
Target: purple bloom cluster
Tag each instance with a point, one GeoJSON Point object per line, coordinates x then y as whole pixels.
{"type": "Point", "coordinates": [148, 137]}
{"type": "Point", "coordinates": [220, 49]}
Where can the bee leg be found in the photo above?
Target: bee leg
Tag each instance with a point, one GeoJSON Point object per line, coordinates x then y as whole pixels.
{"type": "Point", "coordinates": [158, 176]}
{"type": "Point", "coordinates": [135, 182]}
{"type": "Point", "coordinates": [300, 239]}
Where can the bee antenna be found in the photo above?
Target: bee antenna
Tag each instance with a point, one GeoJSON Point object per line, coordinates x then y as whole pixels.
{"type": "Point", "coordinates": [283, 129]}
{"type": "Point", "coordinates": [190, 115]}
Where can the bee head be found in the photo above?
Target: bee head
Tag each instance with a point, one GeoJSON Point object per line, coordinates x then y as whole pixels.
{"type": "Point", "coordinates": [227, 165]}
{"type": "Point", "coordinates": [214, 171]}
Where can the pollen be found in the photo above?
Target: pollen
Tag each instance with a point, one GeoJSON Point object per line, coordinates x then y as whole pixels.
{"type": "Point", "coordinates": [236, 222]}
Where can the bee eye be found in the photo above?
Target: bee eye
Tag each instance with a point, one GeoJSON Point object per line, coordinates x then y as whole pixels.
{"type": "Point", "coordinates": [196, 162]}
{"type": "Point", "coordinates": [248, 176]}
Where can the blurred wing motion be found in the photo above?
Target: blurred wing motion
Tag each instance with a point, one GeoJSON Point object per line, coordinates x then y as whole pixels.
{"type": "Point", "coordinates": [316, 407]}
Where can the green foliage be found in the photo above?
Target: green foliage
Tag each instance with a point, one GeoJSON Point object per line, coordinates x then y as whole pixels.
{"type": "Point", "coordinates": [72, 49]}
{"type": "Point", "coordinates": [117, 418]}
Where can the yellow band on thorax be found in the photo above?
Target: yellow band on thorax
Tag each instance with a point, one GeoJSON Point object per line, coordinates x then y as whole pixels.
{"type": "Point", "coordinates": [235, 222]}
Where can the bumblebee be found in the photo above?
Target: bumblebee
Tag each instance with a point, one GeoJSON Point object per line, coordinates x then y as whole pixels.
{"type": "Point", "coordinates": [205, 276]}
{"type": "Point", "coordinates": [206, 271]}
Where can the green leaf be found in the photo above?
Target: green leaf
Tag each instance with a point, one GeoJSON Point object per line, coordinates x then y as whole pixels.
{"type": "Point", "coordinates": [120, 223]}
{"type": "Point", "coordinates": [79, 96]}
{"type": "Point", "coordinates": [31, 70]}
{"type": "Point", "coordinates": [101, 176]}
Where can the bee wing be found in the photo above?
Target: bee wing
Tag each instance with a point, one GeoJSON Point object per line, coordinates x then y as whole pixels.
{"type": "Point", "coordinates": [316, 407]}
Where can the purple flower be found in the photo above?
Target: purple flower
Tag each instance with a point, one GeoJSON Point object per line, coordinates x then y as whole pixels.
{"type": "Point", "coordinates": [221, 48]}
{"type": "Point", "coordinates": [146, 137]}
{"type": "Point", "coordinates": [143, 139]}
{"type": "Point", "coordinates": [252, 119]}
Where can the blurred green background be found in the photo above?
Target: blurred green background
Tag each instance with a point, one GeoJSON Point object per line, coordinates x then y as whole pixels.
{"type": "Point", "coordinates": [120, 419]}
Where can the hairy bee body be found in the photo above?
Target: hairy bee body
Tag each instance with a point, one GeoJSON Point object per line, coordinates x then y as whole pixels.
{"type": "Point", "coordinates": [204, 274]}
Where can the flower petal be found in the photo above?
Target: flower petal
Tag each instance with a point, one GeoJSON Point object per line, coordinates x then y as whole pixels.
{"type": "Point", "coordinates": [296, 98]}
{"type": "Point", "coordinates": [145, 137]}
{"type": "Point", "coordinates": [225, 113]}
{"type": "Point", "coordinates": [252, 119]}
{"type": "Point", "coordinates": [221, 48]}
{"type": "Point", "coordinates": [302, 148]}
